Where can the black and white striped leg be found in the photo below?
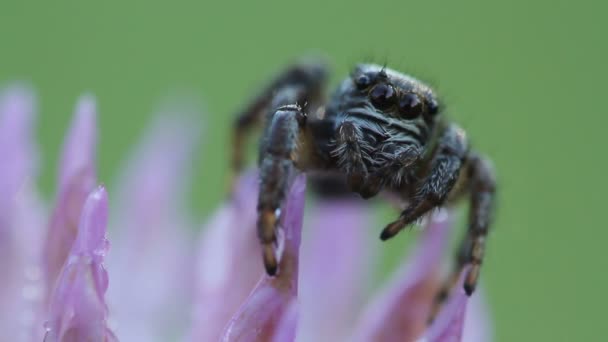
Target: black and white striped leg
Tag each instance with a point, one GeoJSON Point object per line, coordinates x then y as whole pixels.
{"type": "Point", "coordinates": [482, 187]}
{"type": "Point", "coordinates": [448, 159]}
{"type": "Point", "coordinates": [276, 171]}
{"type": "Point", "coordinates": [481, 216]}
{"type": "Point", "coordinates": [307, 75]}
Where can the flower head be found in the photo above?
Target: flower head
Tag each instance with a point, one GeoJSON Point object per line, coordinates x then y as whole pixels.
{"type": "Point", "coordinates": [162, 286]}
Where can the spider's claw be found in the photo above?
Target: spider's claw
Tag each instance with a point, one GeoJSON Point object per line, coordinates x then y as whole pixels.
{"type": "Point", "coordinates": [470, 282]}
{"type": "Point", "coordinates": [391, 230]}
{"type": "Point", "coordinates": [270, 259]}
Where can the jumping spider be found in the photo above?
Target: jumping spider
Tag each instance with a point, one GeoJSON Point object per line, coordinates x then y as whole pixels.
{"type": "Point", "coordinates": [380, 130]}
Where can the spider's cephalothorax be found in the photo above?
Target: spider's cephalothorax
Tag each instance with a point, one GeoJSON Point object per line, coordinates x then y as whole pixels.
{"type": "Point", "coordinates": [382, 121]}
{"type": "Point", "coordinates": [381, 130]}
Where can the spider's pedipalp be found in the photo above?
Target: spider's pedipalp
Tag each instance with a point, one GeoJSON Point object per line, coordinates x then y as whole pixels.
{"type": "Point", "coordinates": [351, 151]}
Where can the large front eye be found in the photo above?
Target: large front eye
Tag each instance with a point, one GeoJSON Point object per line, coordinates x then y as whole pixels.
{"type": "Point", "coordinates": [410, 106]}
{"type": "Point", "coordinates": [383, 96]}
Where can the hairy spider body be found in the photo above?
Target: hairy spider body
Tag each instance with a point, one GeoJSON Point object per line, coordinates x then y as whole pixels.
{"type": "Point", "coordinates": [381, 130]}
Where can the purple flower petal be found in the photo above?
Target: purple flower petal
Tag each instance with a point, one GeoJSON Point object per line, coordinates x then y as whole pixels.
{"type": "Point", "coordinates": [401, 313]}
{"type": "Point", "coordinates": [288, 325]}
{"type": "Point", "coordinates": [78, 158]}
{"type": "Point", "coordinates": [21, 216]}
{"type": "Point", "coordinates": [449, 324]}
{"type": "Point", "coordinates": [17, 115]}
{"type": "Point", "coordinates": [229, 264]}
{"type": "Point", "coordinates": [259, 317]}
{"type": "Point", "coordinates": [77, 308]}
{"type": "Point", "coordinates": [151, 260]}
{"type": "Point", "coordinates": [477, 323]}
{"type": "Point", "coordinates": [77, 178]}
{"type": "Point", "coordinates": [336, 265]}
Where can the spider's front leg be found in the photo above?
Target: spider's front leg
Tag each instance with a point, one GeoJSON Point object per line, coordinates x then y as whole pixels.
{"type": "Point", "coordinates": [284, 132]}
{"type": "Point", "coordinates": [309, 75]}
{"type": "Point", "coordinates": [446, 164]}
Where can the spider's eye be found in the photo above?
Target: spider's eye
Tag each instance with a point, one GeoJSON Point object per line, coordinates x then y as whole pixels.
{"type": "Point", "coordinates": [383, 96]}
{"type": "Point", "coordinates": [410, 106]}
{"type": "Point", "coordinates": [363, 81]}
{"type": "Point", "coordinates": [433, 107]}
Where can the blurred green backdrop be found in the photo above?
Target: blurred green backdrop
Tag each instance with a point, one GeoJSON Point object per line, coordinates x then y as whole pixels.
{"type": "Point", "coordinates": [526, 79]}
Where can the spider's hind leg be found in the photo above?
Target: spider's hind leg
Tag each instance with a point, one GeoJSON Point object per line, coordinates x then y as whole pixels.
{"type": "Point", "coordinates": [482, 187]}
{"type": "Point", "coordinates": [481, 215]}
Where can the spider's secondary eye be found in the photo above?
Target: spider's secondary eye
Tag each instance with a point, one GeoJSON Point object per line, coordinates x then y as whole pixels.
{"type": "Point", "coordinates": [383, 96]}
{"type": "Point", "coordinates": [433, 107]}
{"type": "Point", "coordinates": [363, 81]}
{"type": "Point", "coordinates": [410, 106]}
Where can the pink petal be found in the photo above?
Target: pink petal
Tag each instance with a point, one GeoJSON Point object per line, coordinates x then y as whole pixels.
{"type": "Point", "coordinates": [77, 179]}
{"type": "Point", "coordinates": [78, 157]}
{"type": "Point", "coordinates": [152, 255]}
{"type": "Point", "coordinates": [336, 266]}
{"type": "Point", "coordinates": [259, 317]}
{"type": "Point", "coordinates": [229, 263]}
{"type": "Point", "coordinates": [401, 312]}
{"type": "Point", "coordinates": [21, 216]}
{"type": "Point", "coordinates": [77, 308]}
{"type": "Point", "coordinates": [17, 116]}
{"type": "Point", "coordinates": [288, 325]}
{"type": "Point", "coordinates": [477, 323]}
{"type": "Point", "coordinates": [448, 325]}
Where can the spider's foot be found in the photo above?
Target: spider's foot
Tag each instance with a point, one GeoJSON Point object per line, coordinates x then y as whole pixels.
{"type": "Point", "coordinates": [270, 259]}
{"type": "Point", "coordinates": [407, 217]}
{"type": "Point", "coordinates": [470, 282]}
{"type": "Point", "coordinates": [267, 222]}
{"type": "Point", "coordinates": [391, 230]}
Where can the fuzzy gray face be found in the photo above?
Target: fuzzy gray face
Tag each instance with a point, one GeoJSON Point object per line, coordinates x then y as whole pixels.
{"type": "Point", "coordinates": [389, 110]}
{"type": "Point", "coordinates": [395, 102]}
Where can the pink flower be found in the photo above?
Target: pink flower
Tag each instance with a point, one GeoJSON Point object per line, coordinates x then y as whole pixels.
{"type": "Point", "coordinates": [77, 310]}
{"type": "Point", "coordinates": [166, 282]}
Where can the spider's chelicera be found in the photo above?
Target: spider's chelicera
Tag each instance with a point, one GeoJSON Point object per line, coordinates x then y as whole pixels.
{"type": "Point", "coordinates": [381, 130]}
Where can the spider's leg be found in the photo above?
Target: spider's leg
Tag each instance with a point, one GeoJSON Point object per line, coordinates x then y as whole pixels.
{"type": "Point", "coordinates": [447, 161]}
{"type": "Point", "coordinates": [461, 260]}
{"type": "Point", "coordinates": [310, 75]}
{"type": "Point", "coordinates": [483, 196]}
{"type": "Point", "coordinates": [277, 153]}
{"type": "Point", "coordinates": [482, 187]}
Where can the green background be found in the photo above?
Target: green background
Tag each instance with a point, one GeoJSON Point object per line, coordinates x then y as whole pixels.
{"type": "Point", "coordinates": [526, 79]}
